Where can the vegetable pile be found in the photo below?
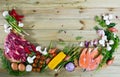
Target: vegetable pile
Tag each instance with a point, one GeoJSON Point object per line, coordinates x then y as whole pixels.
{"type": "Point", "coordinates": [20, 56]}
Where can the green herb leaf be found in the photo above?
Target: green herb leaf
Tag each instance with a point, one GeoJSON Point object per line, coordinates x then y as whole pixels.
{"type": "Point", "coordinates": [97, 18]}
{"type": "Point", "coordinates": [111, 25]}
{"type": "Point", "coordinates": [78, 37]}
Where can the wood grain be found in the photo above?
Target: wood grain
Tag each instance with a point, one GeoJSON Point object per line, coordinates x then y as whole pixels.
{"type": "Point", "coordinates": [45, 18]}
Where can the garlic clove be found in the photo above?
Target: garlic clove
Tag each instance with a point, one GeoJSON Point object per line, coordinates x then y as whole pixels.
{"type": "Point", "coordinates": [101, 32]}
{"type": "Point", "coordinates": [95, 42]}
{"type": "Point", "coordinates": [101, 42]}
{"type": "Point", "coordinates": [5, 13]}
{"type": "Point", "coordinates": [81, 44]}
{"type": "Point", "coordinates": [104, 38]}
{"type": "Point", "coordinates": [91, 43]}
{"type": "Point", "coordinates": [28, 68]}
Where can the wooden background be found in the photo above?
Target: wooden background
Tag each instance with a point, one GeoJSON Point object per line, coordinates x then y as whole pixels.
{"type": "Point", "coordinates": [45, 18]}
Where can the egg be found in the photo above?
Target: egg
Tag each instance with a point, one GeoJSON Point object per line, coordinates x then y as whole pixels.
{"type": "Point", "coordinates": [14, 66]}
{"type": "Point", "coordinates": [21, 67]}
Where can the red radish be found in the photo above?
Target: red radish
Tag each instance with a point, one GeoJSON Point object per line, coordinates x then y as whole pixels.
{"type": "Point", "coordinates": [109, 62]}
{"type": "Point", "coordinates": [67, 58]}
{"type": "Point", "coordinates": [113, 29]}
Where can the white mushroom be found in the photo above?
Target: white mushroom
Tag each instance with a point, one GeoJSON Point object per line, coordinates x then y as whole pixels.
{"type": "Point", "coordinates": [105, 17]}
{"type": "Point", "coordinates": [30, 59]}
{"type": "Point", "coordinates": [20, 24]}
{"type": "Point", "coordinates": [6, 26]}
{"type": "Point", "coordinates": [8, 30]}
{"type": "Point", "coordinates": [44, 52]}
{"type": "Point", "coordinates": [38, 48]}
{"type": "Point", "coordinates": [5, 13]}
{"type": "Point", "coordinates": [107, 22]}
{"type": "Point", "coordinates": [28, 68]}
{"type": "Point", "coordinates": [109, 48]}
{"type": "Point", "coordinates": [110, 16]}
{"type": "Point", "coordinates": [111, 42]}
{"type": "Point", "coordinates": [114, 34]}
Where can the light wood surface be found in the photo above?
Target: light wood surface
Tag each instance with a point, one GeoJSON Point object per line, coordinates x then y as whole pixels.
{"type": "Point", "coordinates": [45, 18]}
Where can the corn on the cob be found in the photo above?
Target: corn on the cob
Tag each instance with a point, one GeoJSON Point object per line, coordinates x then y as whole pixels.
{"type": "Point", "coordinates": [56, 60]}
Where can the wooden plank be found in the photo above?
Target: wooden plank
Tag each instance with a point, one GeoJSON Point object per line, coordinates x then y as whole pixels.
{"type": "Point", "coordinates": [67, 35]}
{"type": "Point", "coordinates": [63, 3]}
{"type": "Point", "coordinates": [55, 13]}
{"type": "Point", "coordinates": [64, 24]}
{"type": "Point", "coordinates": [44, 2]}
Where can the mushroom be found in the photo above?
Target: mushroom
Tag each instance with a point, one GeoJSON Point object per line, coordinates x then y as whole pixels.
{"type": "Point", "coordinates": [108, 47]}
{"type": "Point", "coordinates": [111, 42]}
{"type": "Point", "coordinates": [44, 52]}
{"type": "Point", "coordinates": [28, 68]}
{"type": "Point", "coordinates": [8, 29]}
{"type": "Point", "coordinates": [5, 13]}
{"type": "Point", "coordinates": [114, 34]}
{"type": "Point", "coordinates": [30, 59]}
{"type": "Point", "coordinates": [107, 22]}
{"type": "Point", "coordinates": [20, 24]}
{"type": "Point", "coordinates": [110, 16]}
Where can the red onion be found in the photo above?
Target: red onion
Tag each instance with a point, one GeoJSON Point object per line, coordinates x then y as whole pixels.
{"type": "Point", "coordinates": [87, 44]}
{"type": "Point", "coordinates": [70, 67]}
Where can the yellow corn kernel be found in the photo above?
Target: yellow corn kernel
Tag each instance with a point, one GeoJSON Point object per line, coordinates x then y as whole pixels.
{"type": "Point", "coordinates": [56, 60]}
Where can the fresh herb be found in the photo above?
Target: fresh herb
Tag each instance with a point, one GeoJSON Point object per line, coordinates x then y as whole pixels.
{"type": "Point", "coordinates": [111, 25]}
{"type": "Point", "coordinates": [78, 37]}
